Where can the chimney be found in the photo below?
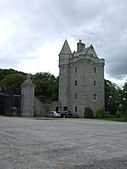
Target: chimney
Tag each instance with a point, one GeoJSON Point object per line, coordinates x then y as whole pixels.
{"type": "Point", "coordinates": [80, 46]}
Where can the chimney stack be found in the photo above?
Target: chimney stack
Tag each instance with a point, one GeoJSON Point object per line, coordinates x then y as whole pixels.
{"type": "Point", "coordinates": [80, 46]}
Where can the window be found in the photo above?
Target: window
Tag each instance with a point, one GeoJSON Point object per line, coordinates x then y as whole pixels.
{"type": "Point", "coordinates": [75, 108]}
{"type": "Point", "coordinates": [94, 83]}
{"type": "Point", "coordinates": [91, 55]}
{"type": "Point", "coordinates": [65, 108]}
{"type": "Point", "coordinates": [57, 109]}
{"type": "Point", "coordinates": [94, 97]}
{"type": "Point", "coordinates": [94, 69]}
{"type": "Point", "coordinates": [75, 82]}
{"type": "Point", "coordinates": [76, 96]}
{"type": "Point", "coordinates": [75, 69]}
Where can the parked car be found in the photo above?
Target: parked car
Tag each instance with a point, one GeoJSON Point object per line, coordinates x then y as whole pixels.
{"type": "Point", "coordinates": [69, 114]}
{"type": "Point", "coordinates": [53, 114]}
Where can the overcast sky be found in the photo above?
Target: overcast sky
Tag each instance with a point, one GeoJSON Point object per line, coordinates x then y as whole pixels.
{"type": "Point", "coordinates": [32, 33]}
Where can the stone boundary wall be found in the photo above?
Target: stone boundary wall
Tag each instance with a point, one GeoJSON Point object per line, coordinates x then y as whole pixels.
{"type": "Point", "coordinates": [41, 109]}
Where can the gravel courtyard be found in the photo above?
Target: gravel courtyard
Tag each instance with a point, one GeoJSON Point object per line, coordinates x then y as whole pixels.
{"type": "Point", "coordinates": [62, 144]}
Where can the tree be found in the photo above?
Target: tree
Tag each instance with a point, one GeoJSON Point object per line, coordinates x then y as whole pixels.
{"type": "Point", "coordinates": [5, 72]}
{"type": "Point", "coordinates": [11, 83]}
{"type": "Point", "coordinates": [46, 86]}
{"type": "Point", "coordinates": [112, 97]}
{"type": "Point", "coordinates": [124, 98]}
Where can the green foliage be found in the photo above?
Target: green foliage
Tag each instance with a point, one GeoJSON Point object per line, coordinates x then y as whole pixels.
{"type": "Point", "coordinates": [112, 97]}
{"type": "Point", "coordinates": [46, 86]}
{"type": "Point", "coordinates": [88, 113]}
{"type": "Point", "coordinates": [124, 98]}
{"type": "Point", "coordinates": [11, 83]}
{"type": "Point", "coordinates": [5, 72]}
{"type": "Point", "coordinates": [100, 113]}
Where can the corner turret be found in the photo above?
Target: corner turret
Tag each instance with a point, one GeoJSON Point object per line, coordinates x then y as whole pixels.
{"type": "Point", "coordinates": [65, 54]}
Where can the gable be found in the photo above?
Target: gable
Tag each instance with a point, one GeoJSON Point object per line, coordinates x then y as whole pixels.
{"type": "Point", "coordinates": [91, 52]}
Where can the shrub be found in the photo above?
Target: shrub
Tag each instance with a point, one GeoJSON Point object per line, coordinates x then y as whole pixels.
{"type": "Point", "coordinates": [118, 114]}
{"type": "Point", "coordinates": [124, 115]}
{"type": "Point", "coordinates": [88, 113]}
{"type": "Point", "coordinates": [100, 113]}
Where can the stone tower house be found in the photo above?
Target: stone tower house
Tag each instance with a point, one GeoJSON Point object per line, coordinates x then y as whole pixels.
{"type": "Point", "coordinates": [81, 79]}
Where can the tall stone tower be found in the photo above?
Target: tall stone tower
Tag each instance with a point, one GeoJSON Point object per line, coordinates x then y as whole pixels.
{"type": "Point", "coordinates": [64, 76]}
{"type": "Point", "coordinates": [27, 98]}
{"type": "Point", "coordinates": [81, 79]}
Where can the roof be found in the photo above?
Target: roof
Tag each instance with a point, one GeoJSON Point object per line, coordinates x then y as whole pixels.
{"type": "Point", "coordinates": [65, 49]}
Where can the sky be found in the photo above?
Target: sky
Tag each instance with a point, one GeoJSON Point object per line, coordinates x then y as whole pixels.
{"type": "Point", "coordinates": [32, 33]}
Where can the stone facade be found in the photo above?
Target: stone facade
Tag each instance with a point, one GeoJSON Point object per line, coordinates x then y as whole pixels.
{"type": "Point", "coordinates": [81, 79]}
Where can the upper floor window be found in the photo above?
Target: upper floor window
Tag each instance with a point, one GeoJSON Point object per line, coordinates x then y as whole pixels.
{"type": "Point", "coordinates": [94, 83]}
{"type": "Point", "coordinates": [76, 83]}
{"type": "Point", "coordinates": [94, 69]}
{"type": "Point", "coordinates": [75, 69]}
{"type": "Point", "coordinates": [94, 97]}
{"type": "Point", "coordinates": [92, 55]}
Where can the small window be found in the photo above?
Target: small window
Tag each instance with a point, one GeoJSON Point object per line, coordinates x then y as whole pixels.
{"type": "Point", "coordinates": [57, 109]}
{"type": "Point", "coordinates": [95, 97]}
{"type": "Point", "coordinates": [76, 96]}
{"type": "Point", "coordinates": [94, 83]}
{"type": "Point", "coordinates": [92, 55]}
{"type": "Point", "coordinates": [76, 83]}
{"type": "Point", "coordinates": [75, 69]}
{"type": "Point", "coordinates": [75, 108]}
{"type": "Point", "coordinates": [65, 108]}
{"type": "Point", "coordinates": [94, 69]}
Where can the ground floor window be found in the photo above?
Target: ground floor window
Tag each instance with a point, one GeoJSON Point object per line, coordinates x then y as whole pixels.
{"type": "Point", "coordinates": [75, 108]}
{"type": "Point", "coordinates": [57, 109]}
{"type": "Point", "coordinates": [65, 108]}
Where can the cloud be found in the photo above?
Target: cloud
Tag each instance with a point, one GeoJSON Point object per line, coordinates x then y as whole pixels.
{"type": "Point", "coordinates": [28, 27]}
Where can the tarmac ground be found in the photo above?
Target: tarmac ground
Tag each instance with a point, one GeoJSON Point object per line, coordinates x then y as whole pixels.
{"type": "Point", "coordinates": [62, 144]}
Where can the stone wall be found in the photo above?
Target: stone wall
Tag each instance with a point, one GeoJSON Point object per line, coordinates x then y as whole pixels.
{"type": "Point", "coordinates": [41, 109]}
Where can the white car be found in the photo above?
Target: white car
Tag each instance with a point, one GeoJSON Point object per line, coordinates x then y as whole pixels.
{"type": "Point", "coordinates": [53, 114]}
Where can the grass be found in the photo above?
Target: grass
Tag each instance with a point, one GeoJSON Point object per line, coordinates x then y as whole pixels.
{"type": "Point", "coordinates": [120, 119]}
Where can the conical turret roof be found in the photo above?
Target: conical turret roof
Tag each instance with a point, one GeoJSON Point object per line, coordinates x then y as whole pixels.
{"type": "Point", "coordinates": [65, 49]}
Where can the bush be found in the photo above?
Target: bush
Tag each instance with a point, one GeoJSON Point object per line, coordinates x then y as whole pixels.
{"type": "Point", "coordinates": [118, 114]}
{"type": "Point", "coordinates": [88, 113]}
{"type": "Point", "coordinates": [124, 115]}
{"type": "Point", "coordinates": [100, 113]}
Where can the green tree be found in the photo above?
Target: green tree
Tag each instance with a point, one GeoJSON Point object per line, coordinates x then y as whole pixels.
{"type": "Point", "coordinates": [5, 72]}
{"type": "Point", "coordinates": [112, 97]}
{"type": "Point", "coordinates": [46, 86]}
{"type": "Point", "coordinates": [124, 98]}
{"type": "Point", "coordinates": [11, 83]}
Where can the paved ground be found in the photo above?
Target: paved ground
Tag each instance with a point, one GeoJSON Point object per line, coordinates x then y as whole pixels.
{"type": "Point", "coordinates": [62, 144]}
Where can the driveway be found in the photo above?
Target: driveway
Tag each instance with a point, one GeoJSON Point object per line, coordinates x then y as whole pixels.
{"type": "Point", "coordinates": [62, 144]}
